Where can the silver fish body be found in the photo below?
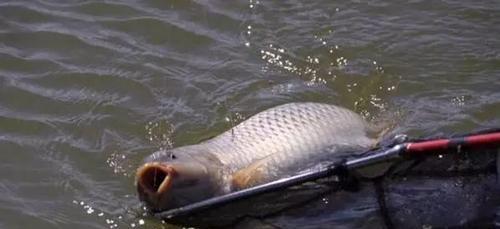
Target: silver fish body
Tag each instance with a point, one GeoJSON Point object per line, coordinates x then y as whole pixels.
{"type": "Point", "coordinates": [272, 144]}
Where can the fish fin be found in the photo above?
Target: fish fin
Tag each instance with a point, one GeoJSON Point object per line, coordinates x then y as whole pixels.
{"type": "Point", "coordinates": [381, 135]}
{"type": "Point", "coordinates": [250, 175]}
{"type": "Point", "coordinates": [383, 125]}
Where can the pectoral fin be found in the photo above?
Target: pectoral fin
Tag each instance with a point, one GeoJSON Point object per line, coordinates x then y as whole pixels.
{"type": "Point", "coordinates": [249, 176]}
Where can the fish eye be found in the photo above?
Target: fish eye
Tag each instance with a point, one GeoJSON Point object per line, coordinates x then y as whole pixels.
{"type": "Point", "coordinates": [172, 156]}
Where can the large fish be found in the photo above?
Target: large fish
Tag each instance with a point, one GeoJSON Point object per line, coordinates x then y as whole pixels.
{"type": "Point", "coordinates": [272, 144]}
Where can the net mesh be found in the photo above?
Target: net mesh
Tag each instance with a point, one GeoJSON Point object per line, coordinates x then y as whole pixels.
{"type": "Point", "coordinates": [444, 190]}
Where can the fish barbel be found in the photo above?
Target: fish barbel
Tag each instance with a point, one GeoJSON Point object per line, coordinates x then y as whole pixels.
{"type": "Point", "coordinates": [270, 145]}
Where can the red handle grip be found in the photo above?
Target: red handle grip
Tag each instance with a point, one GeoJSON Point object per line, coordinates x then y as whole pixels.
{"type": "Point", "coordinates": [474, 141]}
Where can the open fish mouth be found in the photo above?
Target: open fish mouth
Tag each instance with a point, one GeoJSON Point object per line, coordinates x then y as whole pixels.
{"type": "Point", "coordinates": [153, 182]}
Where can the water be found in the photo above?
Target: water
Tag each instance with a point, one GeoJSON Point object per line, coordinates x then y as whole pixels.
{"type": "Point", "coordinates": [89, 88]}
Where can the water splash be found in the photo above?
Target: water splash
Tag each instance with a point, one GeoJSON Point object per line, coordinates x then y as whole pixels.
{"type": "Point", "coordinates": [458, 101]}
{"type": "Point", "coordinates": [120, 164]}
{"type": "Point", "coordinates": [159, 133]}
{"type": "Point", "coordinates": [127, 219]}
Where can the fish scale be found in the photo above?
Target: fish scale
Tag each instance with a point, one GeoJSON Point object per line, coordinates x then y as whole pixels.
{"type": "Point", "coordinates": [288, 135]}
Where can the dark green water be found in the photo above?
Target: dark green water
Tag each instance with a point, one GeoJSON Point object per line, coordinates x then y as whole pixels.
{"type": "Point", "coordinates": [89, 88]}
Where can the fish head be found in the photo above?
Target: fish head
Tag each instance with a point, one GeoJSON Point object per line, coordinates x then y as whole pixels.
{"type": "Point", "coordinates": [174, 178]}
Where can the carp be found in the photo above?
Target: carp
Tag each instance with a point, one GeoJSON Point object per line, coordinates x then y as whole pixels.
{"type": "Point", "coordinates": [273, 144]}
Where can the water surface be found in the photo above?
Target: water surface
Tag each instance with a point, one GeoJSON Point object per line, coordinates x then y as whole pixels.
{"type": "Point", "coordinates": [89, 88]}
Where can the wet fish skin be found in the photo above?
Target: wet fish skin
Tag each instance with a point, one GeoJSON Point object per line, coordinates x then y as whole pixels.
{"type": "Point", "coordinates": [198, 176]}
{"type": "Point", "coordinates": [272, 144]}
{"type": "Point", "coordinates": [286, 139]}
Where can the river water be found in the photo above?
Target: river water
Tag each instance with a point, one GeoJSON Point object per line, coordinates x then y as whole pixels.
{"type": "Point", "coordinates": [89, 88]}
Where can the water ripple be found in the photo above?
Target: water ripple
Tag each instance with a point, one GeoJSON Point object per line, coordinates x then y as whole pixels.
{"type": "Point", "coordinates": [81, 80]}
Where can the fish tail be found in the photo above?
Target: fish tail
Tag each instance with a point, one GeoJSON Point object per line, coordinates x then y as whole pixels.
{"type": "Point", "coordinates": [384, 125]}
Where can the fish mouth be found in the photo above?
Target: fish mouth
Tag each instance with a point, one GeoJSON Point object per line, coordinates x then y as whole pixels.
{"type": "Point", "coordinates": [153, 182]}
